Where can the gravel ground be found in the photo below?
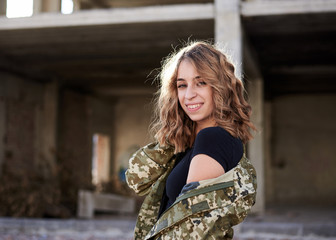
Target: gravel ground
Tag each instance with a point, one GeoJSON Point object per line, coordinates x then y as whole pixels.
{"type": "Point", "coordinates": [278, 224]}
{"type": "Point", "coordinates": [44, 229]}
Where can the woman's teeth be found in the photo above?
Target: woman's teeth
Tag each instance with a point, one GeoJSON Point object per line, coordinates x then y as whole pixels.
{"type": "Point", "coordinates": [194, 106]}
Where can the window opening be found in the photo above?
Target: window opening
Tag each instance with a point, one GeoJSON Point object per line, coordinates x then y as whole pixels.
{"type": "Point", "coordinates": [100, 159]}
{"type": "Point", "coordinates": [67, 6]}
{"type": "Point", "coordinates": [19, 8]}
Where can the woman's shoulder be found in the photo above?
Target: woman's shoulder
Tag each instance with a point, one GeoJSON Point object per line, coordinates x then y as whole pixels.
{"type": "Point", "coordinates": [219, 144]}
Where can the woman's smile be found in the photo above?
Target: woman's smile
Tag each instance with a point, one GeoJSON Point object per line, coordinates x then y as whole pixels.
{"type": "Point", "coordinates": [194, 107]}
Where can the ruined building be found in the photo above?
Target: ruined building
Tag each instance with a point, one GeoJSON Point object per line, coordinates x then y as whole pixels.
{"type": "Point", "coordinates": [75, 94]}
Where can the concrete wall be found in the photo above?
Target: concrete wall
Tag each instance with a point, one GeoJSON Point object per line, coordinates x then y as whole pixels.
{"type": "Point", "coordinates": [81, 116]}
{"type": "Point", "coordinates": [303, 159]}
{"type": "Point", "coordinates": [21, 105]}
{"type": "Point", "coordinates": [28, 112]}
{"type": "Point", "coordinates": [132, 119]}
{"type": "Point", "coordinates": [74, 146]}
{"type": "Point", "coordinates": [74, 142]}
{"type": "Point", "coordinates": [46, 140]}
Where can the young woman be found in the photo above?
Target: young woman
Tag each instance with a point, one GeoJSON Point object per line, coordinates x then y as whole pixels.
{"type": "Point", "coordinates": [198, 181]}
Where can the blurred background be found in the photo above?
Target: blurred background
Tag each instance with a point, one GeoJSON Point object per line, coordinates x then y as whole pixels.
{"type": "Point", "coordinates": [77, 78]}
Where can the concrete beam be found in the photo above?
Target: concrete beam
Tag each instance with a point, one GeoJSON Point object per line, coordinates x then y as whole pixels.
{"type": "Point", "coordinates": [125, 91]}
{"type": "Point", "coordinates": [183, 12]}
{"type": "Point", "coordinates": [279, 7]}
{"type": "Point", "coordinates": [307, 69]}
{"type": "Point", "coordinates": [89, 201]}
{"type": "Point", "coordinates": [19, 70]}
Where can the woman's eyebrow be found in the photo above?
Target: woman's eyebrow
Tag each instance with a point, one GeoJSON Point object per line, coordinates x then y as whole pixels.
{"type": "Point", "coordinates": [182, 79]}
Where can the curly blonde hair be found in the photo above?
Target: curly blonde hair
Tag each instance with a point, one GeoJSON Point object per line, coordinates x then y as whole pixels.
{"type": "Point", "coordinates": [172, 126]}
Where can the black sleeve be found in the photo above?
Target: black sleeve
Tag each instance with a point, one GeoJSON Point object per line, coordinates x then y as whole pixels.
{"type": "Point", "coordinates": [217, 143]}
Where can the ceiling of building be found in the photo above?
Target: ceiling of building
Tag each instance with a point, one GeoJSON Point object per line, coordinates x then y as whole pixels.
{"type": "Point", "coordinates": [296, 53]}
{"type": "Point", "coordinates": [97, 57]}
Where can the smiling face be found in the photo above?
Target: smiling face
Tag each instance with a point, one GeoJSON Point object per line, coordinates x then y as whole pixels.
{"type": "Point", "coordinates": [195, 95]}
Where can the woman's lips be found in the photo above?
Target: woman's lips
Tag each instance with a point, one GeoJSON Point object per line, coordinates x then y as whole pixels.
{"type": "Point", "coordinates": [193, 107]}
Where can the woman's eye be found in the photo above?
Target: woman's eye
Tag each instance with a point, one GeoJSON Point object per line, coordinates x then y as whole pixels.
{"type": "Point", "coordinates": [181, 86]}
{"type": "Point", "coordinates": [201, 83]}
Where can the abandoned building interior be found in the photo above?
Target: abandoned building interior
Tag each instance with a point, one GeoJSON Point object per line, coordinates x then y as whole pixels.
{"type": "Point", "coordinates": [76, 94]}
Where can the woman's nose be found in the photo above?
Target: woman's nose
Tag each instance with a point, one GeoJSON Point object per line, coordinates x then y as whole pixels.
{"type": "Point", "coordinates": [190, 93]}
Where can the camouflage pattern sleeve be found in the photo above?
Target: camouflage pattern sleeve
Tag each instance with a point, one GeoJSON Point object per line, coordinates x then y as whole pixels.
{"type": "Point", "coordinates": [148, 213]}
{"type": "Point", "coordinates": [146, 166]}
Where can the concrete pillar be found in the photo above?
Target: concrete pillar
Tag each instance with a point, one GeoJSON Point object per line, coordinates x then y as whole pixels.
{"type": "Point", "coordinates": [2, 130]}
{"type": "Point", "coordinates": [50, 124]}
{"type": "Point", "coordinates": [3, 7]}
{"type": "Point", "coordinates": [47, 6]}
{"type": "Point", "coordinates": [268, 168]}
{"type": "Point", "coordinates": [228, 30]}
{"type": "Point", "coordinates": [46, 129]}
{"type": "Point", "coordinates": [256, 147]}
{"type": "Point", "coordinates": [5, 91]}
{"type": "Point", "coordinates": [76, 5]}
{"type": "Point", "coordinates": [37, 6]}
{"type": "Point", "coordinates": [228, 33]}
{"type": "Point", "coordinates": [51, 5]}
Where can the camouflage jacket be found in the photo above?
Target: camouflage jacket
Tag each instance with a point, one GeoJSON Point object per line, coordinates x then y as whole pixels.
{"type": "Point", "coordinates": [204, 210]}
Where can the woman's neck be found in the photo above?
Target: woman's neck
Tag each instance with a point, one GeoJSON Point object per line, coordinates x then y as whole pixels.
{"type": "Point", "coordinates": [202, 125]}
